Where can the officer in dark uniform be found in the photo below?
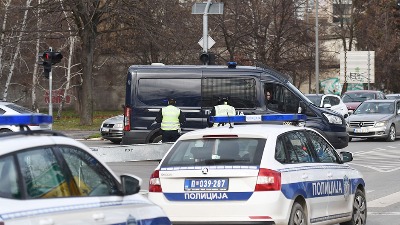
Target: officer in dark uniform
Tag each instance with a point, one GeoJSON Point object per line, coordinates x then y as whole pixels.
{"type": "Point", "coordinates": [171, 119]}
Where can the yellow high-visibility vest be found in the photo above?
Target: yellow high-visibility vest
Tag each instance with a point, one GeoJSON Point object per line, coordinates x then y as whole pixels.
{"type": "Point", "coordinates": [224, 110]}
{"type": "Point", "coordinates": [170, 119]}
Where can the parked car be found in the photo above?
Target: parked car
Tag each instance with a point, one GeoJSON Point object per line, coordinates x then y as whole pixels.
{"type": "Point", "coordinates": [393, 96]}
{"type": "Point", "coordinates": [329, 101]}
{"type": "Point", "coordinates": [258, 174]}
{"type": "Point", "coordinates": [47, 178]}
{"type": "Point", "coordinates": [112, 129]}
{"type": "Point", "coordinates": [9, 108]}
{"type": "Point", "coordinates": [375, 119]}
{"type": "Point", "coordinates": [353, 99]}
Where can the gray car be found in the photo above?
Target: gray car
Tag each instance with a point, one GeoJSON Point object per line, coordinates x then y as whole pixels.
{"type": "Point", "coordinates": [375, 119]}
{"type": "Point", "coordinates": [112, 129]}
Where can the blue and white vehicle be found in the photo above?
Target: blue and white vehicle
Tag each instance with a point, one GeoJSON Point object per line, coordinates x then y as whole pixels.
{"type": "Point", "coordinates": [258, 174]}
{"type": "Point", "coordinates": [47, 178]}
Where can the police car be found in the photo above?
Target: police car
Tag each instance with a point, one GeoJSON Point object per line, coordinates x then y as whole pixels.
{"type": "Point", "coordinates": [258, 174]}
{"type": "Point", "coordinates": [50, 179]}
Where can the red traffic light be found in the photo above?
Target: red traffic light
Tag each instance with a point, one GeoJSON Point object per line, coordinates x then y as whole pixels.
{"type": "Point", "coordinates": [53, 57]}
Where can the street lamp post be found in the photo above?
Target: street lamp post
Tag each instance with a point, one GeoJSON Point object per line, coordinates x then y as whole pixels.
{"type": "Point", "coordinates": [316, 50]}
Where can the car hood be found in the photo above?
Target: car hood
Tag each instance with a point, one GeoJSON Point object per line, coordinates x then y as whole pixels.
{"type": "Point", "coordinates": [115, 119]}
{"type": "Point", "coordinates": [352, 105]}
{"type": "Point", "coordinates": [369, 117]}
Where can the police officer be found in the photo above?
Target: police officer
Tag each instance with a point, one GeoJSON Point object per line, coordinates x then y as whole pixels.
{"type": "Point", "coordinates": [222, 109]}
{"type": "Point", "coordinates": [171, 119]}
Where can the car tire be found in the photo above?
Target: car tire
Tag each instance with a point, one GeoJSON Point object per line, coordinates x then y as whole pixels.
{"type": "Point", "coordinates": [359, 214]}
{"type": "Point", "coordinates": [157, 139]}
{"type": "Point", "coordinates": [297, 215]}
{"type": "Point", "coordinates": [392, 134]}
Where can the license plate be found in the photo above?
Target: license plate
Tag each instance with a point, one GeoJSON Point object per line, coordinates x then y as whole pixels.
{"type": "Point", "coordinates": [361, 130]}
{"type": "Point", "coordinates": [206, 184]}
{"type": "Point", "coordinates": [105, 129]}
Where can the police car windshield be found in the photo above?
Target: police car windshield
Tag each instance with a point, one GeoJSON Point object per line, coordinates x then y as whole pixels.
{"type": "Point", "coordinates": [223, 151]}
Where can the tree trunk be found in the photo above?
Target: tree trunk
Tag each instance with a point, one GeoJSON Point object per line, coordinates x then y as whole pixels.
{"type": "Point", "coordinates": [86, 93]}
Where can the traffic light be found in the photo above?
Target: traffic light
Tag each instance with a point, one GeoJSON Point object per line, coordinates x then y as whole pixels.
{"type": "Point", "coordinates": [49, 58]}
{"type": "Point", "coordinates": [207, 58]}
{"type": "Point", "coordinates": [52, 57]}
{"type": "Point", "coordinates": [46, 69]}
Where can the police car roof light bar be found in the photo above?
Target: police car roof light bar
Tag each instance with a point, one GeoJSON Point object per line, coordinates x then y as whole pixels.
{"type": "Point", "coordinates": [25, 119]}
{"type": "Point", "coordinates": [258, 118]}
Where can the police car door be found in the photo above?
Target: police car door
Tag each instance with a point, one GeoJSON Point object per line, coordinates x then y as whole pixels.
{"type": "Point", "coordinates": [306, 175]}
{"type": "Point", "coordinates": [338, 175]}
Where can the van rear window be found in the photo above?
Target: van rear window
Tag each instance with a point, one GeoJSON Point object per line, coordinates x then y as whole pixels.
{"type": "Point", "coordinates": [241, 92]}
{"type": "Point", "coordinates": [218, 151]}
{"type": "Point", "coordinates": [155, 92]}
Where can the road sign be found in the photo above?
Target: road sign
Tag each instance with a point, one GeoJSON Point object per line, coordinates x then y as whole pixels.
{"type": "Point", "coordinates": [210, 42]}
{"type": "Point", "coordinates": [215, 8]}
{"type": "Point", "coordinates": [358, 66]}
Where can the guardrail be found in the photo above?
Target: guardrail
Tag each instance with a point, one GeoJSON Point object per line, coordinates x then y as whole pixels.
{"type": "Point", "coordinates": [135, 152]}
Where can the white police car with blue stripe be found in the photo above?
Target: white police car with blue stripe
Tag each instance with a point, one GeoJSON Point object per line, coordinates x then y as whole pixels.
{"type": "Point", "coordinates": [49, 179]}
{"type": "Point", "coordinates": [258, 174]}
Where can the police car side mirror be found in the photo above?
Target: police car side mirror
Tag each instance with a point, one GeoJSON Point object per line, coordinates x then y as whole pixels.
{"type": "Point", "coordinates": [130, 184]}
{"type": "Point", "coordinates": [327, 106]}
{"type": "Point", "coordinates": [346, 156]}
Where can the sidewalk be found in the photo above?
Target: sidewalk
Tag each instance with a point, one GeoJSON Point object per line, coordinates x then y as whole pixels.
{"type": "Point", "coordinates": [79, 134]}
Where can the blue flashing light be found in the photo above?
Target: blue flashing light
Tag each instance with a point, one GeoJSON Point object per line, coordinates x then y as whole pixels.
{"type": "Point", "coordinates": [258, 118]}
{"type": "Point", "coordinates": [25, 119]}
{"type": "Point", "coordinates": [231, 65]}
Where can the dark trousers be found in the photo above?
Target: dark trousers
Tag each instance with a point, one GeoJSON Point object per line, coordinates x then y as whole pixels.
{"type": "Point", "coordinates": [170, 135]}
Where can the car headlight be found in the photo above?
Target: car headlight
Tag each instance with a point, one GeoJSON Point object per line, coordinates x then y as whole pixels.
{"type": "Point", "coordinates": [118, 125]}
{"type": "Point", "coordinates": [333, 119]}
{"type": "Point", "coordinates": [381, 124]}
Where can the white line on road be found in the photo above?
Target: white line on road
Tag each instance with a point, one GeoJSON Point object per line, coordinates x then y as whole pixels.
{"type": "Point", "coordinates": [385, 201]}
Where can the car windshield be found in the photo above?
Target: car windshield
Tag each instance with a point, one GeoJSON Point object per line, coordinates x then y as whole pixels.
{"type": "Point", "coordinates": [357, 97]}
{"type": "Point", "coordinates": [216, 151]}
{"type": "Point", "coordinates": [375, 108]}
{"type": "Point", "coordinates": [315, 99]}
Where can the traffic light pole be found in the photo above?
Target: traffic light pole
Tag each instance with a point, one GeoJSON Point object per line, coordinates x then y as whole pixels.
{"type": "Point", "coordinates": [50, 91]}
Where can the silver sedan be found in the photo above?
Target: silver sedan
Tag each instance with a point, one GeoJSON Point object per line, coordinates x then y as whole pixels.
{"type": "Point", "coordinates": [375, 119]}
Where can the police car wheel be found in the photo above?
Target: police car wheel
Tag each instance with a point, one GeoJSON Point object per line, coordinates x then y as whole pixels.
{"type": "Point", "coordinates": [297, 215]}
{"type": "Point", "coordinates": [359, 214]}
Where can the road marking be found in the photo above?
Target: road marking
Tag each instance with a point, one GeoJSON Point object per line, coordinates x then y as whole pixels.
{"type": "Point", "coordinates": [385, 201]}
{"type": "Point", "coordinates": [383, 213]}
{"type": "Point", "coordinates": [385, 159]}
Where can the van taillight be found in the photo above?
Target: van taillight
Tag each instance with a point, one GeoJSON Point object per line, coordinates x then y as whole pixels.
{"type": "Point", "coordinates": [127, 118]}
{"type": "Point", "coordinates": [154, 182]}
{"type": "Point", "coordinates": [268, 180]}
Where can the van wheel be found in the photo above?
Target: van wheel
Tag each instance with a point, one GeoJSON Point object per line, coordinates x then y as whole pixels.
{"type": "Point", "coordinates": [297, 215]}
{"type": "Point", "coordinates": [392, 134]}
{"type": "Point", "coordinates": [359, 214]}
{"type": "Point", "coordinates": [156, 138]}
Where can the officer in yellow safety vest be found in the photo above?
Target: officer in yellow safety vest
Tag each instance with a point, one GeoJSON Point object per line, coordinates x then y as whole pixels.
{"type": "Point", "coordinates": [171, 119]}
{"type": "Point", "coordinates": [222, 109]}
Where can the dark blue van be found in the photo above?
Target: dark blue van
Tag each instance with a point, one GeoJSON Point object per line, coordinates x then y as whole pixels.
{"type": "Point", "coordinates": [197, 89]}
